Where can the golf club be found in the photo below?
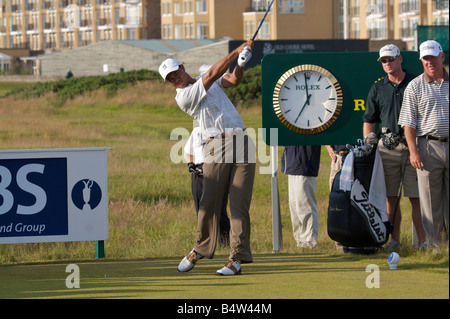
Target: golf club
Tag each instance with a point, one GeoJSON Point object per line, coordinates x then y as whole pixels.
{"type": "Point", "coordinates": [260, 24]}
{"type": "Point", "coordinates": [262, 21]}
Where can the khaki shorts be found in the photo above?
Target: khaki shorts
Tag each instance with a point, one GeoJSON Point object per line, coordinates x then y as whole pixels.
{"type": "Point", "coordinates": [393, 163]}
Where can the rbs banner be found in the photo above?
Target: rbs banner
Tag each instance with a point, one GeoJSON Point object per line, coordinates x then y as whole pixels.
{"type": "Point", "coordinates": [53, 195]}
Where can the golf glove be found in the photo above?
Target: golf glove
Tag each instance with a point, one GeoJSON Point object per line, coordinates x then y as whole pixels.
{"type": "Point", "coordinates": [371, 138]}
{"type": "Point", "coordinates": [245, 56]}
{"type": "Point", "coordinates": [390, 139]}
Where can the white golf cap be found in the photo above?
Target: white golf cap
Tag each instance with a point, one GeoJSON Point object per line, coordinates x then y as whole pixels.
{"type": "Point", "coordinates": [168, 66]}
{"type": "Point", "coordinates": [430, 47]}
{"type": "Point", "coordinates": [389, 50]}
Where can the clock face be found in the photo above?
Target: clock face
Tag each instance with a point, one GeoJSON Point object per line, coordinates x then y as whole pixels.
{"type": "Point", "coordinates": [307, 99]}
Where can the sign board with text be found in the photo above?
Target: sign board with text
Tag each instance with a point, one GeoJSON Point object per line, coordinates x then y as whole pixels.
{"type": "Point", "coordinates": [356, 73]}
{"type": "Point", "coordinates": [53, 195]}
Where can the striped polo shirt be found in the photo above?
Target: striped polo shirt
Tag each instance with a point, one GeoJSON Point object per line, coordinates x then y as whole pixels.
{"type": "Point", "coordinates": [425, 106]}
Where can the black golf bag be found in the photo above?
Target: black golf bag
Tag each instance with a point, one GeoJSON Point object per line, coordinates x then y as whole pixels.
{"type": "Point", "coordinates": [352, 220]}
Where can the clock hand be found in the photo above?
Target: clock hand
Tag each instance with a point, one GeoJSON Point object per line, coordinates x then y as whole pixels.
{"type": "Point", "coordinates": [306, 87]}
{"type": "Point", "coordinates": [304, 105]}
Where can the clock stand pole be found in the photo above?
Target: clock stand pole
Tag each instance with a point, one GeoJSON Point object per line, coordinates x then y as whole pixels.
{"type": "Point", "coordinates": [277, 235]}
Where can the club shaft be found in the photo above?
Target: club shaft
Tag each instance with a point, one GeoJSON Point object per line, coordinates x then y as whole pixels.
{"type": "Point", "coordinates": [262, 21]}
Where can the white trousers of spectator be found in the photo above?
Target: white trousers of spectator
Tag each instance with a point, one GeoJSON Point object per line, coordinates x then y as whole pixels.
{"type": "Point", "coordinates": [304, 211]}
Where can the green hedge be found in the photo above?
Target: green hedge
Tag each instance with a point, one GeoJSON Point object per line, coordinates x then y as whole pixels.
{"type": "Point", "coordinates": [245, 94]}
{"type": "Point", "coordinates": [70, 88]}
{"type": "Point", "coordinates": [249, 91]}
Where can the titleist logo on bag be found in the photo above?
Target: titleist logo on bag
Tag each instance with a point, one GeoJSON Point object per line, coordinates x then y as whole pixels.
{"type": "Point", "coordinates": [360, 201]}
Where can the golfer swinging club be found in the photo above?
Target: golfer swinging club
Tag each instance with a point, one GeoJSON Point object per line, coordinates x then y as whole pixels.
{"type": "Point", "coordinates": [230, 156]}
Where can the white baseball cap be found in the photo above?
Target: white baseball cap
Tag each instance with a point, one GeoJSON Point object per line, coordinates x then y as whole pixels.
{"type": "Point", "coordinates": [168, 66]}
{"type": "Point", "coordinates": [389, 50]}
{"type": "Point", "coordinates": [430, 47]}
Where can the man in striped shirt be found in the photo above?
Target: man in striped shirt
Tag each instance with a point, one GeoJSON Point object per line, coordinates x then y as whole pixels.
{"type": "Point", "coordinates": [425, 119]}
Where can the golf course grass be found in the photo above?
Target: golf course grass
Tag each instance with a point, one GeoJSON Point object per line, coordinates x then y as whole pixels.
{"type": "Point", "coordinates": [274, 276]}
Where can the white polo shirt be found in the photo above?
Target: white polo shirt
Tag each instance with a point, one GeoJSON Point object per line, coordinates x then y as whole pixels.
{"type": "Point", "coordinates": [212, 109]}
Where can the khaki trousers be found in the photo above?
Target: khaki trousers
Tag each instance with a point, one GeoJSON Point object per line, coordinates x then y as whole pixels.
{"type": "Point", "coordinates": [228, 161]}
{"type": "Point", "coordinates": [433, 183]}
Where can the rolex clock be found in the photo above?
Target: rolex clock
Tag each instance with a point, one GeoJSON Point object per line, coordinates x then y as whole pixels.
{"type": "Point", "coordinates": [307, 99]}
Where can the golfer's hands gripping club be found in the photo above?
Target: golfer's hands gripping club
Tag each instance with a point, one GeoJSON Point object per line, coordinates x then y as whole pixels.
{"type": "Point", "coordinates": [245, 56]}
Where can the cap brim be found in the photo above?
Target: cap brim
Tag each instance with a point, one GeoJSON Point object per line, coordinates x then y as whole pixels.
{"type": "Point", "coordinates": [172, 69]}
{"type": "Point", "coordinates": [428, 54]}
{"type": "Point", "coordinates": [386, 56]}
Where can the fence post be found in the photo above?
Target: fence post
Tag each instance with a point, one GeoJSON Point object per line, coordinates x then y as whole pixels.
{"type": "Point", "coordinates": [100, 249]}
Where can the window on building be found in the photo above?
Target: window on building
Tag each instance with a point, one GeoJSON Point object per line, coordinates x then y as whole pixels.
{"type": "Point", "coordinates": [356, 8]}
{"type": "Point", "coordinates": [131, 34]}
{"type": "Point", "coordinates": [408, 27]}
{"type": "Point", "coordinates": [133, 16]}
{"type": "Point", "coordinates": [409, 5]}
{"type": "Point", "coordinates": [249, 29]}
{"type": "Point", "coordinates": [178, 31]}
{"type": "Point", "coordinates": [264, 32]}
{"type": "Point", "coordinates": [414, 5]}
{"type": "Point", "coordinates": [381, 6]}
{"type": "Point", "coordinates": [262, 5]}
{"type": "Point", "coordinates": [443, 20]}
{"type": "Point", "coordinates": [188, 7]}
{"type": "Point", "coordinates": [202, 6]}
{"type": "Point", "coordinates": [284, 6]}
{"type": "Point", "coordinates": [167, 31]}
{"type": "Point", "coordinates": [379, 29]}
{"type": "Point", "coordinates": [188, 30]}
{"type": "Point", "coordinates": [440, 5]}
{"type": "Point", "coordinates": [356, 30]}
{"type": "Point", "coordinates": [166, 9]}
{"type": "Point", "coordinates": [202, 30]}
{"type": "Point", "coordinates": [177, 8]}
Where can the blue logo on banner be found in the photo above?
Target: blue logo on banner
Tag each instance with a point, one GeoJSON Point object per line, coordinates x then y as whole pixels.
{"type": "Point", "coordinates": [86, 195]}
{"type": "Point", "coordinates": [33, 197]}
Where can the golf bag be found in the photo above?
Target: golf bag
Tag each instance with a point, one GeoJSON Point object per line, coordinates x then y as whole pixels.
{"type": "Point", "coordinates": [352, 220]}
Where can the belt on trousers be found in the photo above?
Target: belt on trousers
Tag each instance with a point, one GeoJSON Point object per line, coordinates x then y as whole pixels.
{"type": "Point", "coordinates": [223, 135]}
{"type": "Point", "coordinates": [435, 138]}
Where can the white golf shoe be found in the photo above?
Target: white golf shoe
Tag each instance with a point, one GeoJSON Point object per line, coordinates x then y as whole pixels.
{"type": "Point", "coordinates": [189, 261]}
{"type": "Point", "coordinates": [232, 267]}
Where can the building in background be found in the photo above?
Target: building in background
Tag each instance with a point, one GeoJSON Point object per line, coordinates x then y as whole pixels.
{"type": "Point", "coordinates": [377, 20]}
{"type": "Point", "coordinates": [5, 62]}
{"type": "Point", "coordinates": [54, 25]}
{"type": "Point", "coordinates": [239, 19]}
{"type": "Point", "coordinates": [391, 19]}
{"type": "Point", "coordinates": [51, 26]}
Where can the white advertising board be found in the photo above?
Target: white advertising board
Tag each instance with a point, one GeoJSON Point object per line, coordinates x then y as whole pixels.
{"type": "Point", "coordinates": [53, 195]}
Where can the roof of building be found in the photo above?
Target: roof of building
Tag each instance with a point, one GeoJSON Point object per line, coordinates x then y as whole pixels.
{"type": "Point", "coordinates": [170, 46]}
{"type": "Point", "coordinates": [5, 56]}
